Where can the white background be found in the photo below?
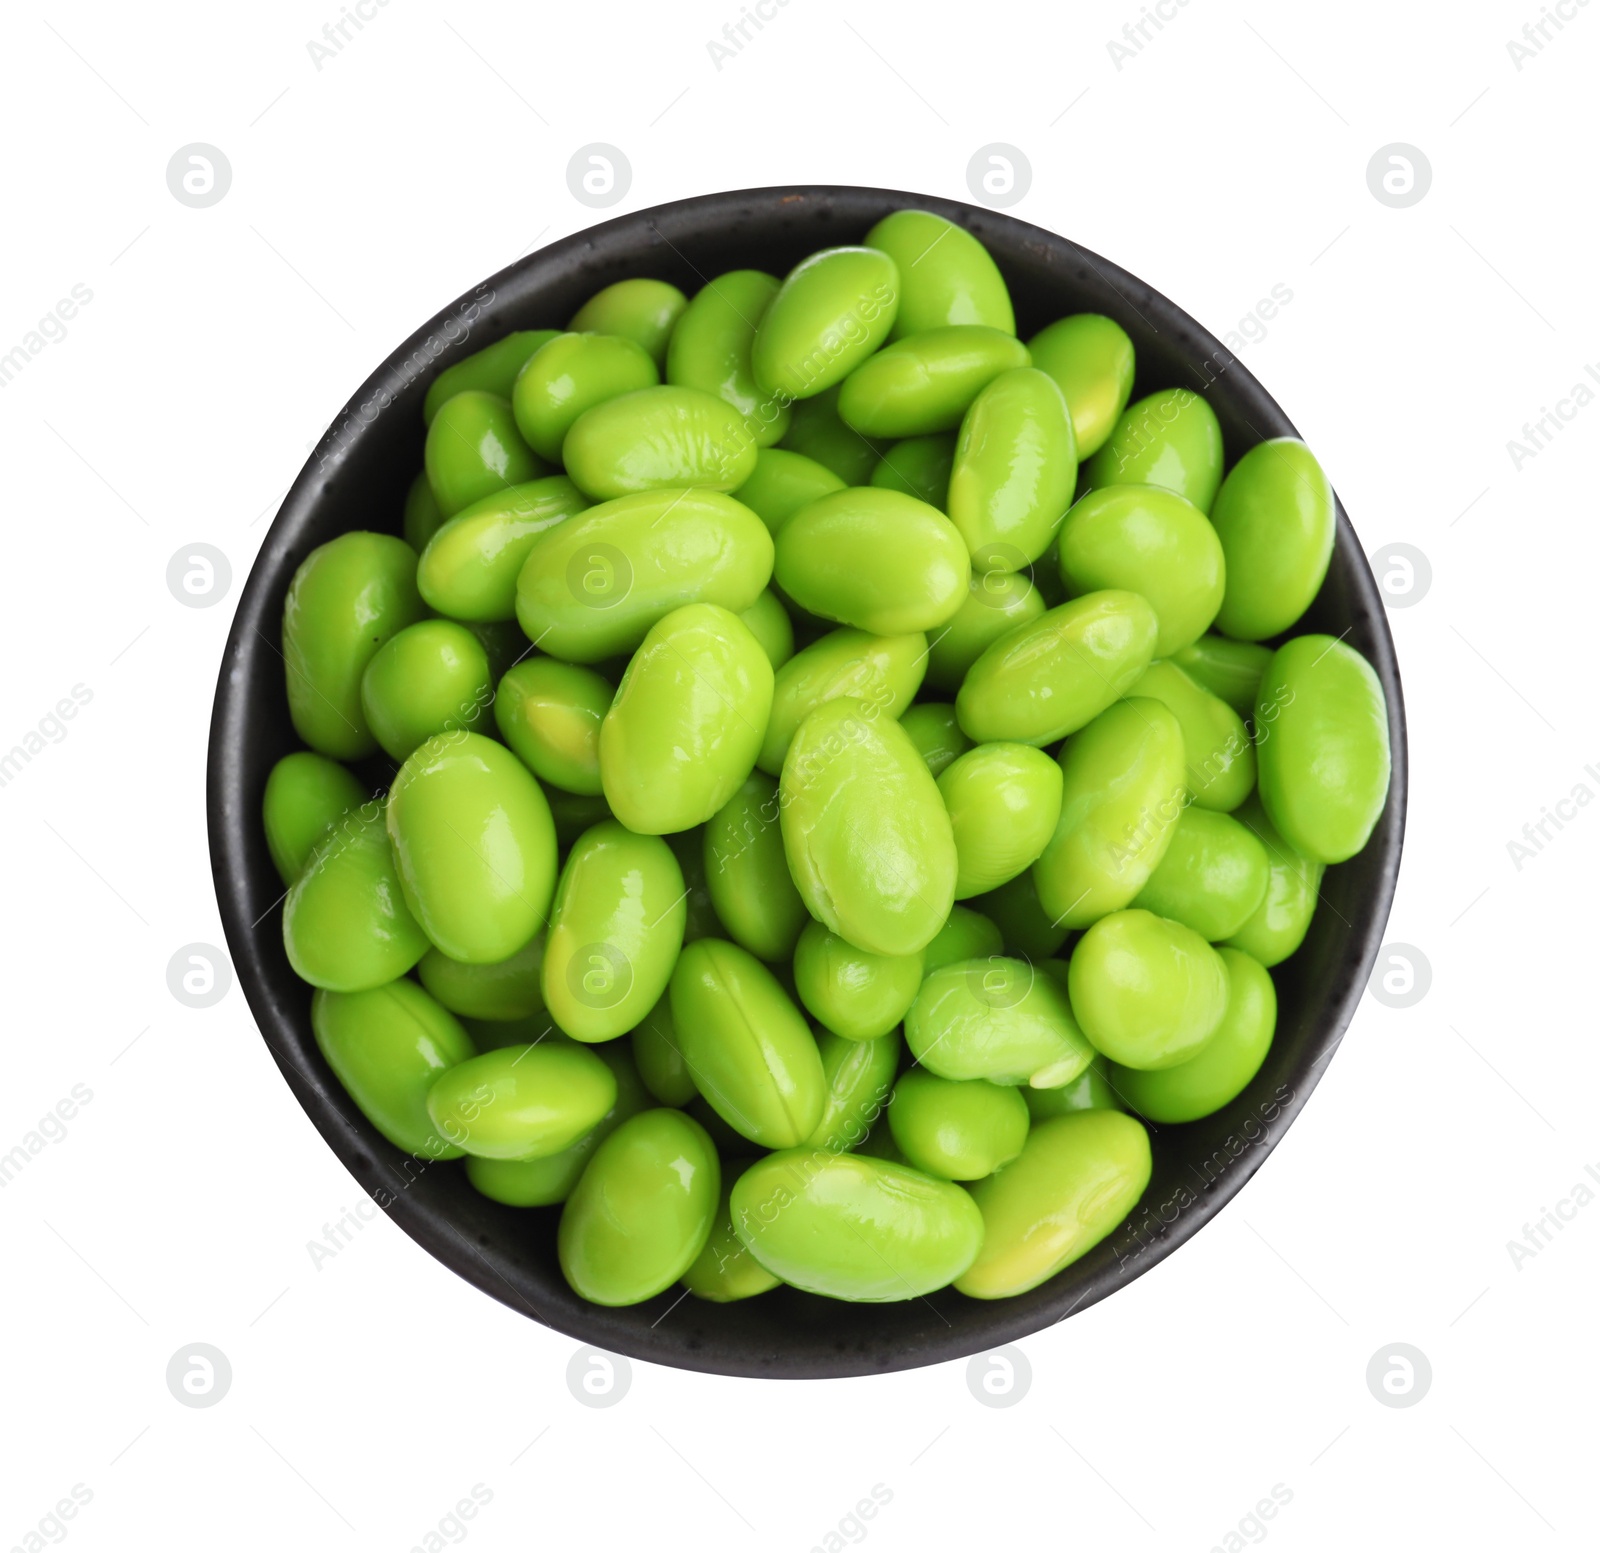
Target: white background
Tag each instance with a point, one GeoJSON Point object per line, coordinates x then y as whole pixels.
{"type": "Point", "coordinates": [1227, 156]}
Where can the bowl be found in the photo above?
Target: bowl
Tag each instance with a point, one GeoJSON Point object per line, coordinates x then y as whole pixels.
{"type": "Point", "coordinates": [357, 478]}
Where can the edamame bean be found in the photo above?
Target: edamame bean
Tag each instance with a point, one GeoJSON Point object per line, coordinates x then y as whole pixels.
{"type": "Point", "coordinates": [748, 1048]}
{"type": "Point", "coordinates": [659, 1056]}
{"type": "Point", "coordinates": [937, 734]}
{"type": "Point", "coordinates": [1212, 878]}
{"type": "Point", "coordinates": [574, 813]}
{"type": "Point", "coordinates": [1015, 466]}
{"type": "Point", "coordinates": [469, 570]}
{"type": "Point", "coordinates": [725, 1271]}
{"type": "Point", "coordinates": [1275, 517]}
{"type": "Point", "coordinates": [1026, 928]}
{"type": "Point", "coordinates": [1090, 1091]}
{"type": "Point", "coordinates": [502, 991]}
{"type": "Point", "coordinates": [748, 873]}
{"type": "Point", "coordinates": [1219, 756]}
{"type": "Point", "coordinates": [768, 622]}
{"type": "Point", "coordinates": [1151, 542]}
{"type": "Point", "coordinates": [996, 1019]}
{"type": "Point", "coordinates": [687, 722]}
{"type": "Point", "coordinates": [853, 993]}
{"type": "Point", "coordinates": [1224, 1065]}
{"type": "Point", "coordinates": [493, 369]}
{"type": "Point", "coordinates": [1323, 727]}
{"type": "Point", "coordinates": [1048, 677]}
{"type": "Point", "coordinates": [918, 466]}
{"type": "Point", "coordinates": [817, 433]}
{"type": "Point", "coordinates": [1230, 670]}
{"type": "Point", "coordinates": [475, 450]}
{"type": "Point", "coordinates": [1077, 1178]}
{"type": "Point", "coordinates": [643, 1211]}
{"type": "Point", "coordinates": [474, 846]}
{"type": "Point", "coordinates": [346, 925]}
{"type": "Point", "coordinates": [1148, 993]}
{"type": "Point", "coordinates": [995, 602]}
{"type": "Point", "coordinates": [946, 274]}
{"type": "Point", "coordinates": [522, 1102]}
{"type": "Point", "coordinates": [550, 713]}
{"type": "Point", "coordinates": [854, 1228]}
{"type": "Point", "coordinates": [594, 586]}
{"type": "Point", "coordinates": [615, 931]}
{"type": "Point", "coordinates": [422, 517]}
{"type": "Point", "coordinates": [874, 559]}
{"type": "Point", "coordinates": [865, 830]}
{"type": "Point", "coordinates": [659, 438]}
{"type": "Point", "coordinates": [833, 310]}
{"type": "Point", "coordinates": [542, 1182]}
{"type": "Point", "coordinates": [1278, 925]}
{"type": "Point", "coordinates": [966, 935]}
{"type": "Point", "coordinates": [882, 671]}
{"type": "Point", "coordinates": [1091, 359]}
{"type": "Point", "coordinates": [689, 847]}
{"type": "Point", "coordinates": [924, 382]}
{"type": "Point", "coordinates": [387, 1046]}
{"type": "Point", "coordinates": [644, 311]}
{"type": "Point", "coordinates": [859, 1076]}
{"type": "Point", "coordinates": [569, 375]}
{"type": "Point", "coordinates": [712, 343]}
{"type": "Point", "coordinates": [429, 678]}
{"type": "Point", "coordinates": [1170, 438]}
{"type": "Point", "coordinates": [305, 794]}
{"type": "Point", "coordinates": [1003, 801]}
{"type": "Point", "coordinates": [957, 1130]}
{"type": "Point", "coordinates": [347, 598]}
{"type": "Point", "coordinates": [784, 482]}
{"type": "Point", "coordinates": [1121, 795]}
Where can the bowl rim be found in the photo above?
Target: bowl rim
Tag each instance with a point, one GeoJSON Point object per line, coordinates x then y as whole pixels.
{"type": "Point", "coordinates": [442, 340]}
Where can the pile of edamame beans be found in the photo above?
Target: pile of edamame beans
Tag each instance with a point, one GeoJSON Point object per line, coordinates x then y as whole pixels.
{"type": "Point", "coordinates": [842, 789]}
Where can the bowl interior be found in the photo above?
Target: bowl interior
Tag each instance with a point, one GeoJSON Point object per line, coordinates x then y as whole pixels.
{"type": "Point", "coordinates": [357, 479]}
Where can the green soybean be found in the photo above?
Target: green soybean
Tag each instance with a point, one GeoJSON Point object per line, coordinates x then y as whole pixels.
{"type": "Point", "coordinates": [574, 813]}
{"type": "Point", "coordinates": [875, 559]}
{"type": "Point", "coordinates": [865, 830]}
{"type": "Point", "coordinates": [1219, 757]}
{"type": "Point", "coordinates": [966, 935]}
{"type": "Point", "coordinates": [1323, 729]}
{"type": "Point", "coordinates": [1212, 878]}
{"type": "Point", "coordinates": [712, 343]}
{"type": "Point", "coordinates": [387, 1045]}
{"type": "Point", "coordinates": [884, 672]}
{"type": "Point", "coordinates": [859, 1076]}
{"type": "Point", "coordinates": [816, 431]}
{"type": "Point", "coordinates": [689, 847]}
{"type": "Point", "coordinates": [1121, 796]}
{"type": "Point", "coordinates": [1230, 670]}
{"type": "Point", "coordinates": [493, 369]}
{"type": "Point", "coordinates": [474, 450]}
{"type": "Point", "coordinates": [305, 794]}
{"type": "Point", "coordinates": [655, 438]}
{"type": "Point", "coordinates": [1170, 438]}
{"type": "Point", "coordinates": [522, 1102]}
{"type": "Point", "coordinates": [1015, 467]}
{"type": "Point", "coordinates": [918, 466]}
{"type": "Point", "coordinates": [725, 1271]}
{"type": "Point", "coordinates": [1026, 928]}
{"type": "Point", "coordinates": [748, 873]}
{"type": "Point", "coordinates": [1149, 993]}
{"type": "Point", "coordinates": [1091, 359]}
{"type": "Point", "coordinates": [427, 679]}
{"type": "Point", "coordinates": [550, 713]}
{"type": "Point", "coordinates": [1077, 1178]}
{"type": "Point", "coordinates": [346, 924]}
{"type": "Point", "coordinates": [1090, 1091]}
{"type": "Point", "coordinates": [1151, 542]}
{"type": "Point", "coordinates": [594, 586]}
{"type": "Point", "coordinates": [1048, 677]}
{"type": "Point", "coordinates": [571, 374]}
{"type": "Point", "coordinates": [474, 846]}
{"type": "Point", "coordinates": [644, 311]}
{"type": "Point", "coordinates": [946, 274]}
{"type": "Point", "coordinates": [936, 732]}
{"type": "Point", "coordinates": [833, 310]}
{"type": "Point", "coordinates": [855, 994]}
{"type": "Point", "coordinates": [784, 482]}
{"type": "Point", "coordinates": [615, 931]}
{"type": "Point", "coordinates": [659, 1056]}
{"type": "Point", "coordinates": [421, 517]}
{"type": "Point", "coordinates": [502, 991]}
{"type": "Point", "coordinates": [996, 601]}
{"type": "Point", "coordinates": [748, 1048]}
{"type": "Point", "coordinates": [1003, 801]}
{"type": "Point", "coordinates": [855, 1228]}
{"type": "Point", "coordinates": [643, 1211]}
{"type": "Point", "coordinates": [346, 599]}
{"type": "Point", "coordinates": [1278, 925]}
{"type": "Point", "coordinates": [1275, 516]}
{"type": "Point", "coordinates": [687, 722]}
{"type": "Point", "coordinates": [957, 1129]}
{"type": "Point", "coordinates": [768, 622]}
{"type": "Point", "coordinates": [924, 382]}
{"type": "Point", "coordinates": [1224, 1065]}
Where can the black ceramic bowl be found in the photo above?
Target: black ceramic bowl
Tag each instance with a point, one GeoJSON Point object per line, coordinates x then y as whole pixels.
{"type": "Point", "coordinates": [357, 478]}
